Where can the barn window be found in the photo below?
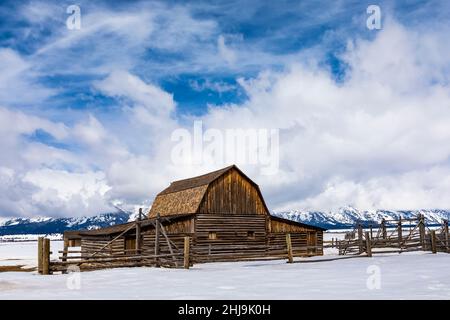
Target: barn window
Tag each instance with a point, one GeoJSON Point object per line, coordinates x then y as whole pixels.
{"type": "Point", "coordinates": [212, 235]}
{"type": "Point", "coordinates": [251, 234]}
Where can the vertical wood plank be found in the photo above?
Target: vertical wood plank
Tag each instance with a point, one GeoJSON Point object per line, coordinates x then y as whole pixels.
{"type": "Point", "coordinates": [422, 232]}
{"type": "Point", "coordinates": [157, 239]}
{"type": "Point", "coordinates": [46, 256]}
{"type": "Point", "coordinates": [65, 249]}
{"type": "Point", "coordinates": [383, 229]}
{"type": "Point", "coordinates": [289, 248]}
{"type": "Point", "coordinates": [368, 244]}
{"type": "Point", "coordinates": [186, 252]}
{"type": "Point", "coordinates": [138, 237]}
{"type": "Point", "coordinates": [433, 241]}
{"type": "Point", "coordinates": [446, 235]}
{"type": "Point", "coordinates": [360, 238]}
{"type": "Point", "coordinates": [40, 253]}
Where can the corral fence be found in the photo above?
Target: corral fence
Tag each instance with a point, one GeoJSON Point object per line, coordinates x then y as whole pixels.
{"type": "Point", "coordinates": [177, 257]}
{"type": "Point", "coordinates": [165, 254]}
{"type": "Point", "coordinates": [395, 236]}
{"type": "Point", "coordinates": [390, 236]}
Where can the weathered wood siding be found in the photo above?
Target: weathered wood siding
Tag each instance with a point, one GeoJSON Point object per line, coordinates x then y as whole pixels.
{"type": "Point", "coordinates": [286, 226]}
{"type": "Point", "coordinates": [237, 237]}
{"type": "Point", "coordinates": [232, 194]}
{"type": "Point", "coordinates": [277, 244]}
{"type": "Point", "coordinates": [301, 244]}
{"type": "Point", "coordinates": [91, 245]}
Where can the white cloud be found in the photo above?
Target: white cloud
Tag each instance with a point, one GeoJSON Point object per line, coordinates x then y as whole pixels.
{"type": "Point", "coordinates": [151, 104]}
{"type": "Point", "coordinates": [62, 192]}
{"type": "Point", "coordinates": [343, 142]}
{"type": "Point", "coordinates": [379, 139]}
{"type": "Point", "coordinates": [224, 51]}
{"type": "Point", "coordinates": [216, 86]}
{"type": "Point", "coordinates": [18, 81]}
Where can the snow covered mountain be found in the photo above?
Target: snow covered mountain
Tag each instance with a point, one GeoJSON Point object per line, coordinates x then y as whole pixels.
{"type": "Point", "coordinates": [22, 226]}
{"type": "Point", "coordinates": [347, 216]}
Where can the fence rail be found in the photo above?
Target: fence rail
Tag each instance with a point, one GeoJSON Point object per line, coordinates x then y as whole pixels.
{"type": "Point", "coordinates": [403, 238]}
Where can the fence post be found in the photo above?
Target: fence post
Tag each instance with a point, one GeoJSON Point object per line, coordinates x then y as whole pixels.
{"type": "Point", "coordinates": [446, 234]}
{"type": "Point", "coordinates": [360, 238]}
{"type": "Point", "coordinates": [65, 249]}
{"type": "Point", "coordinates": [368, 244]}
{"type": "Point", "coordinates": [371, 231]}
{"type": "Point", "coordinates": [46, 256]}
{"type": "Point", "coordinates": [433, 241]}
{"type": "Point", "coordinates": [422, 232]}
{"type": "Point", "coordinates": [40, 253]}
{"type": "Point", "coordinates": [339, 247]}
{"type": "Point", "coordinates": [138, 236]}
{"type": "Point", "coordinates": [157, 240]}
{"type": "Point", "coordinates": [383, 228]}
{"type": "Point", "coordinates": [289, 248]}
{"type": "Point", "coordinates": [400, 235]}
{"type": "Point", "coordinates": [186, 252]}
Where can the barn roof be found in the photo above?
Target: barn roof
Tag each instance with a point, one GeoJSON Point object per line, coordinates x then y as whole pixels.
{"type": "Point", "coordinates": [296, 223]}
{"type": "Point", "coordinates": [118, 228]}
{"type": "Point", "coordinates": [195, 182]}
{"type": "Point", "coordinates": [186, 195]}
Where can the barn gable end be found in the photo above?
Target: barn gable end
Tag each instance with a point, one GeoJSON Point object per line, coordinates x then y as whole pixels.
{"type": "Point", "coordinates": [233, 193]}
{"type": "Point", "coordinates": [225, 191]}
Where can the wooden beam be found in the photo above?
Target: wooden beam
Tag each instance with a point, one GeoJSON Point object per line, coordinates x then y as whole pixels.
{"type": "Point", "coordinates": [186, 252]}
{"type": "Point", "coordinates": [40, 253]}
{"type": "Point", "coordinates": [158, 223]}
{"type": "Point", "coordinates": [400, 233]}
{"type": "Point", "coordinates": [360, 238]}
{"type": "Point", "coordinates": [66, 248]}
{"type": "Point", "coordinates": [46, 256]}
{"type": "Point", "coordinates": [138, 237]}
{"type": "Point", "coordinates": [433, 241]}
{"type": "Point", "coordinates": [368, 244]}
{"type": "Point", "coordinates": [422, 231]}
{"type": "Point", "coordinates": [289, 248]}
{"type": "Point", "coordinates": [446, 235]}
{"type": "Point", "coordinates": [163, 231]}
{"type": "Point", "coordinates": [383, 229]}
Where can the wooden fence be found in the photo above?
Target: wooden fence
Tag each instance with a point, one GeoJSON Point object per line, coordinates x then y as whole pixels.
{"type": "Point", "coordinates": [94, 259]}
{"type": "Point", "coordinates": [401, 235]}
{"type": "Point", "coordinates": [101, 254]}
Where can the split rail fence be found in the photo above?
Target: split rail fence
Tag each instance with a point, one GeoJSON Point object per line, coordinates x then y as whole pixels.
{"type": "Point", "coordinates": [102, 254]}
{"type": "Point", "coordinates": [395, 236]}
{"type": "Point", "coordinates": [391, 236]}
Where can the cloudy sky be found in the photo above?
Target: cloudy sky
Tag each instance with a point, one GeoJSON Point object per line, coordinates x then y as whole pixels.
{"type": "Point", "coordinates": [86, 116]}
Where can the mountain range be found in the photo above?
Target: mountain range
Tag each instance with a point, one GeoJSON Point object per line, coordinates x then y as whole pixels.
{"type": "Point", "coordinates": [345, 217]}
{"type": "Point", "coordinates": [19, 226]}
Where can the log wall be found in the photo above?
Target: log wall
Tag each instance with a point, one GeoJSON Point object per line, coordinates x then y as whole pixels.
{"type": "Point", "coordinates": [216, 237]}
{"type": "Point", "coordinates": [237, 237]}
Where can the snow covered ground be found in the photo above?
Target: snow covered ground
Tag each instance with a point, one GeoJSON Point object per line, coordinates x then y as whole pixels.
{"type": "Point", "coordinates": [24, 253]}
{"type": "Point", "coordinates": [29, 237]}
{"type": "Point", "coordinates": [390, 276]}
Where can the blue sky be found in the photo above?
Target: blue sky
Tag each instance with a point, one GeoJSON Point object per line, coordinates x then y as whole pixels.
{"type": "Point", "coordinates": [203, 60]}
{"type": "Point", "coordinates": [274, 32]}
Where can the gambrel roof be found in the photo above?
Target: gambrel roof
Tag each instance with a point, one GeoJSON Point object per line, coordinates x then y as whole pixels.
{"type": "Point", "coordinates": [184, 196]}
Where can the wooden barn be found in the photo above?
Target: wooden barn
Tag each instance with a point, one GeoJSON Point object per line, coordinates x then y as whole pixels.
{"type": "Point", "coordinates": [224, 214]}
